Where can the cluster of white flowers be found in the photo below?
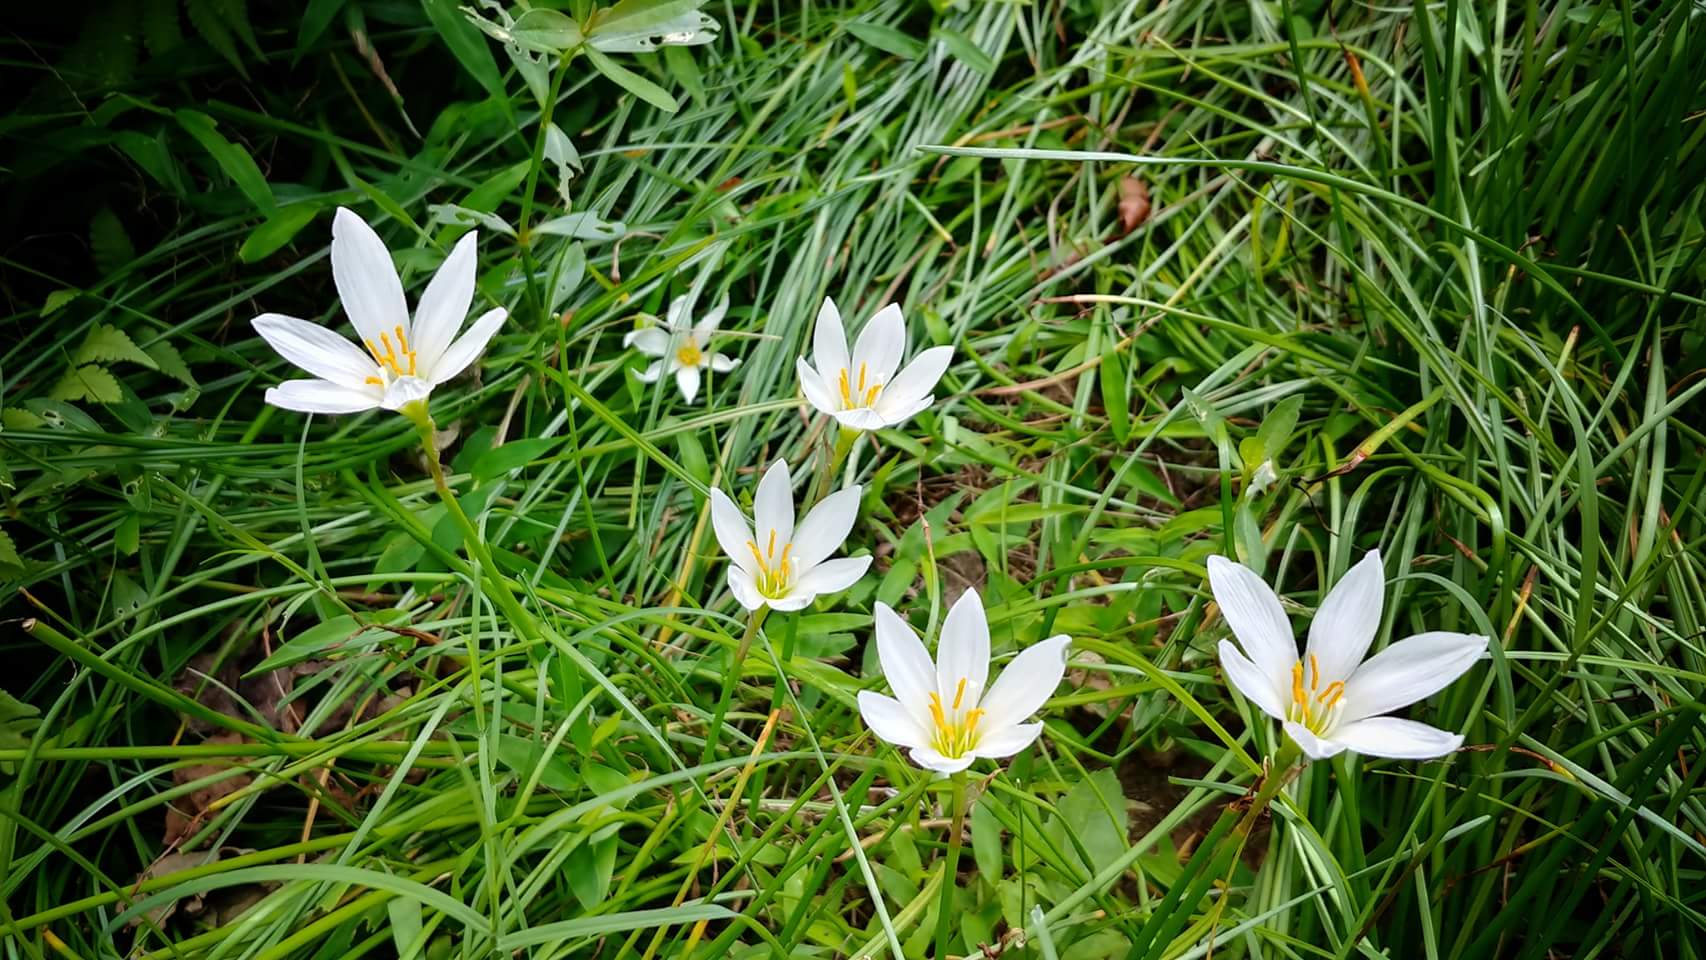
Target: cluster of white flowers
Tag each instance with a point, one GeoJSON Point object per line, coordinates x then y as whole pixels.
{"type": "Point", "coordinates": [943, 712]}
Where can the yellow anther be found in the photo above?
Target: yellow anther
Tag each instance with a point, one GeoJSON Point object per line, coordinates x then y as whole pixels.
{"type": "Point", "coordinates": [1297, 695]}
{"type": "Point", "coordinates": [689, 354]}
{"type": "Point", "coordinates": [1334, 693]}
{"type": "Point", "coordinates": [960, 694]}
{"type": "Point", "coordinates": [772, 547]}
{"type": "Point", "coordinates": [1314, 672]}
{"type": "Point", "coordinates": [861, 378]}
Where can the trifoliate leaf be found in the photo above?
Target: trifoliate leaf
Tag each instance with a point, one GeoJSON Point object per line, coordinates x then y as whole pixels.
{"type": "Point", "coordinates": [108, 344]}
{"type": "Point", "coordinates": [169, 362]}
{"type": "Point", "coordinates": [88, 382]}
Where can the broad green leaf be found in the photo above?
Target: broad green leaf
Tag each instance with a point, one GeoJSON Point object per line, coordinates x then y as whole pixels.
{"type": "Point", "coordinates": [512, 456]}
{"type": "Point", "coordinates": [965, 51]}
{"type": "Point", "coordinates": [108, 344]}
{"type": "Point", "coordinates": [887, 39]}
{"type": "Point", "coordinates": [18, 720]}
{"type": "Point", "coordinates": [276, 231]}
{"type": "Point", "coordinates": [171, 363]}
{"type": "Point", "coordinates": [466, 45]}
{"type": "Point", "coordinates": [232, 159]}
{"type": "Point", "coordinates": [632, 82]}
{"type": "Point", "coordinates": [641, 26]}
{"type": "Point", "coordinates": [88, 382]}
{"type": "Point", "coordinates": [1115, 402]}
{"type": "Point", "coordinates": [582, 226]}
{"type": "Point", "coordinates": [57, 300]}
{"type": "Point", "coordinates": [108, 241]}
{"type": "Point", "coordinates": [405, 915]}
{"type": "Point", "coordinates": [328, 638]}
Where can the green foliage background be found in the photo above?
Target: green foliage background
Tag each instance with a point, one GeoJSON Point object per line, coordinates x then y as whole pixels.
{"type": "Point", "coordinates": [1441, 265]}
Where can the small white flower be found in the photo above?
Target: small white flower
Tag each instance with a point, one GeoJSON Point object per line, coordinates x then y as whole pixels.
{"type": "Point", "coordinates": [940, 712]}
{"type": "Point", "coordinates": [862, 391]}
{"type": "Point", "coordinates": [405, 358]}
{"type": "Point", "coordinates": [785, 567]}
{"type": "Point", "coordinates": [684, 347]}
{"type": "Point", "coordinates": [1330, 700]}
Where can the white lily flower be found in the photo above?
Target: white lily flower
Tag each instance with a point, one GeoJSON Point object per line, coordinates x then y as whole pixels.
{"type": "Point", "coordinates": [785, 567]}
{"type": "Point", "coordinates": [1331, 700]}
{"type": "Point", "coordinates": [684, 347]}
{"type": "Point", "coordinates": [405, 358]}
{"type": "Point", "coordinates": [862, 391]}
{"type": "Point", "coordinates": [941, 712]}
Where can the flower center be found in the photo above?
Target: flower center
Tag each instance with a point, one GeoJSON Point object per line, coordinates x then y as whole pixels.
{"type": "Point", "coordinates": [775, 572]}
{"type": "Point", "coordinates": [396, 360]}
{"type": "Point", "coordinates": [856, 393]}
{"type": "Point", "coordinates": [955, 733]}
{"type": "Point", "coordinates": [1315, 707]}
{"type": "Point", "coordinates": [689, 354]}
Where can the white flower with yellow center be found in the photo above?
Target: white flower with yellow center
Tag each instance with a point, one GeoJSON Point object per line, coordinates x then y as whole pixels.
{"type": "Point", "coordinates": [941, 712]}
{"type": "Point", "coordinates": [1330, 699]}
{"type": "Point", "coordinates": [861, 390]}
{"type": "Point", "coordinates": [776, 564]}
{"type": "Point", "coordinates": [404, 358]}
{"type": "Point", "coordinates": [683, 348]}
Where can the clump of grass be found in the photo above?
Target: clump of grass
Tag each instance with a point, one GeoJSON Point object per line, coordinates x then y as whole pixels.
{"type": "Point", "coordinates": [1439, 268]}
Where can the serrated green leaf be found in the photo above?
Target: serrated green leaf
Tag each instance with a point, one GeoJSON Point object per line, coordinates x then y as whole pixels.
{"type": "Point", "coordinates": [171, 363]}
{"type": "Point", "coordinates": [108, 344]}
{"type": "Point", "coordinates": [632, 82]}
{"type": "Point", "coordinates": [161, 31]}
{"type": "Point", "coordinates": [88, 382]}
{"type": "Point", "coordinates": [9, 552]}
{"type": "Point", "coordinates": [57, 300]}
{"type": "Point", "coordinates": [276, 231]}
{"type": "Point", "coordinates": [887, 39]}
{"type": "Point", "coordinates": [209, 21]}
{"type": "Point", "coordinates": [232, 159]}
{"type": "Point", "coordinates": [108, 241]}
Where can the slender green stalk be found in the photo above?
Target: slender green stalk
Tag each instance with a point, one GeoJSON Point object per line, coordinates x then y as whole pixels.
{"type": "Point", "coordinates": [946, 915]}
{"type": "Point", "coordinates": [731, 677]}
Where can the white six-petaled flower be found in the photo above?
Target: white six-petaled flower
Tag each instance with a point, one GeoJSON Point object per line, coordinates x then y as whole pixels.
{"type": "Point", "coordinates": [941, 712]}
{"type": "Point", "coordinates": [1330, 699]}
{"type": "Point", "coordinates": [861, 390]}
{"type": "Point", "coordinates": [683, 347]}
{"type": "Point", "coordinates": [405, 358]}
{"type": "Point", "coordinates": [776, 564]}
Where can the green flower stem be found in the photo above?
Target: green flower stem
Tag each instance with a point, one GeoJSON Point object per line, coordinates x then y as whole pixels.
{"type": "Point", "coordinates": [731, 676]}
{"type": "Point", "coordinates": [951, 866]}
{"type": "Point", "coordinates": [843, 446]}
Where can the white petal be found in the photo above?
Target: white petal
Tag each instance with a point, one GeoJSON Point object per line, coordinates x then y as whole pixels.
{"type": "Point", "coordinates": [812, 386]}
{"type": "Point", "coordinates": [890, 721]}
{"type": "Point", "coordinates": [863, 418]}
{"type": "Point", "coordinates": [794, 599]}
{"type": "Point", "coordinates": [687, 378]}
{"type": "Point", "coordinates": [1253, 612]}
{"type": "Point", "coordinates": [1413, 668]}
{"type": "Point", "coordinates": [723, 364]}
{"type": "Point", "coordinates": [829, 340]}
{"type": "Point", "coordinates": [901, 395]}
{"type": "Point", "coordinates": [1314, 747]}
{"type": "Point", "coordinates": [931, 760]}
{"type": "Point", "coordinates": [905, 662]}
{"type": "Point", "coordinates": [895, 416]}
{"type": "Point", "coordinates": [712, 320]}
{"type": "Point", "coordinates": [445, 303]}
{"type": "Point", "coordinates": [1345, 623]}
{"type": "Point", "coordinates": [320, 396]}
{"type": "Point", "coordinates": [403, 391]}
{"type": "Point", "coordinates": [1249, 680]}
{"type": "Point", "coordinates": [468, 347]}
{"type": "Point", "coordinates": [648, 340]}
{"type": "Point", "coordinates": [733, 535]}
{"type": "Point", "coordinates": [744, 589]}
{"type": "Point", "coordinates": [773, 510]}
{"type": "Point", "coordinates": [962, 652]}
{"type": "Point", "coordinates": [366, 279]}
{"type": "Point", "coordinates": [876, 354]}
{"type": "Point", "coordinates": [651, 373]}
{"type": "Point", "coordinates": [1007, 741]}
{"type": "Point", "coordinates": [832, 576]}
{"type": "Point", "coordinates": [1026, 682]}
{"type": "Point", "coordinates": [316, 349]}
{"type": "Point", "coordinates": [676, 316]}
{"type": "Point", "coordinates": [1396, 738]}
{"type": "Point", "coordinates": [826, 526]}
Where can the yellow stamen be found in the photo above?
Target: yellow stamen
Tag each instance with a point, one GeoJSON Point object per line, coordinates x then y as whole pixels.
{"type": "Point", "coordinates": [1334, 693]}
{"type": "Point", "coordinates": [861, 378]}
{"type": "Point", "coordinates": [960, 694]}
{"type": "Point", "coordinates": [1297, 683]}
{"type": "Point", "coordinates": [375, 381]}
{"type": "Point", "coordinates": [772, 547]}
{"type": "Point", "coordinates": [1314, 672]}
{"type": "Point", "coordinates": [689, 354]}
{"type": "Point", "coordinates": [846, 397]}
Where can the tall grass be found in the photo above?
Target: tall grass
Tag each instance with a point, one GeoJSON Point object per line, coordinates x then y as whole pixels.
{"type": "Point", "coordinates": [1458, 245]}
